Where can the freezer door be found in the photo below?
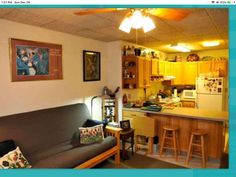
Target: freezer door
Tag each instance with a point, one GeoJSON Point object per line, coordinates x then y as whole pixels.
{"type": "Point", "coordinates": [200, 85]}
{"type": "Point", "coordinates": [210, 102]}
{"type": "Point", "coordinates": [210, 85]}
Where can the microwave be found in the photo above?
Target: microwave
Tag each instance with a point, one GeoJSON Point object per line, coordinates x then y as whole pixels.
{"type": "Point", "coordinates": [189, 94]}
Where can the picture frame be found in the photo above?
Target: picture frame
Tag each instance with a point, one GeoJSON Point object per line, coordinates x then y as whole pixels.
{"type": "Point", "coordinates": [91, 66]}
{"type": "Point", "coordinates": [125, 124]}
{"type": "Point", "coordinates": [31, 60]}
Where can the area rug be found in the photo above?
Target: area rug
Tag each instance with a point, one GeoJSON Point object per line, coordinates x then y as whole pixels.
{"type": "Point", "coordinates": [138, 161]}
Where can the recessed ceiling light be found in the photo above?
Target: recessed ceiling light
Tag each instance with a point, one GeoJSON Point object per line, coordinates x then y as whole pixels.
{"type": "Point", "coordinates": [211, 43]}
{"type": "Point", "coordinates": [180, 48]}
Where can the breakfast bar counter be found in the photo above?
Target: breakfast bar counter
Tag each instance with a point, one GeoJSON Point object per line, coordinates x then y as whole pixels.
{"type": "Point", "coordinates": [150, 124]}
{"type": "Point", "coordinates": [191, 113]}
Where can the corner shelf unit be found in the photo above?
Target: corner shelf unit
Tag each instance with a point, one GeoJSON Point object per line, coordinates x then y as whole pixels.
{"type": "Point", "coordinates": [109, 108]}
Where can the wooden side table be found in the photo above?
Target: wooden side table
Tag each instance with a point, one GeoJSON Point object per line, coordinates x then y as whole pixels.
{"type": "Point", "coordinates": [124, 136]}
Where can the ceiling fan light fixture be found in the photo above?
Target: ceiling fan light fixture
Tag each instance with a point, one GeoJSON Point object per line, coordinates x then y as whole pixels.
{"type": "Point", "coordinates": [125, 25]}
{"type": "Point", "coordinates": [137, 19]}
{"type": "Point", "coordinates": [180, 48]}
{"type": "Point", "coordinates": [148, 24]}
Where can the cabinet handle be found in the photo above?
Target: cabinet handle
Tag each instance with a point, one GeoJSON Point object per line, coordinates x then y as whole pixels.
{"type": "Point", "coordinates": [133, 114]}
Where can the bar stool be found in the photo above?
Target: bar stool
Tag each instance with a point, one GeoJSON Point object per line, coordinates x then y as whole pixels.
{"type": "Point", "coordinates": [197, 141]}
{"type": "Point", "coordinates": [170, 140]}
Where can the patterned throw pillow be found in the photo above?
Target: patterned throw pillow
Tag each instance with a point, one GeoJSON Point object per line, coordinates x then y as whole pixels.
{"type": "Point", "coordinates": [91, 134]}
{"type": "Point", "coordinates": [14, 159]}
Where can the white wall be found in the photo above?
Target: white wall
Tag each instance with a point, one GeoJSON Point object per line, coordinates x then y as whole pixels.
{"type": "Point", "coordinates": [114, 71]}
{"type": "Point", "coordinates": [16, 97]}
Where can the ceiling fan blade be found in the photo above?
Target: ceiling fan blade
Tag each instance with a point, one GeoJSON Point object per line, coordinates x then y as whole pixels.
{"type": "Point", "coordinates": [170, 14]}
{"type": "Point", "coordinates": [94, 11]}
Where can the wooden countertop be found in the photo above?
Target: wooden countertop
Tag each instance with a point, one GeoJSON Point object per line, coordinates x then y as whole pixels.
{"type": "Point", "coordinates": [192, 113]}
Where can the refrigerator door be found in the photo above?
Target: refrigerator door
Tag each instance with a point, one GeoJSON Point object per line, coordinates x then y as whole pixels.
{"type": "Point", "coordinates": [206, 85]}
{"type": "Point", "coordinates": [210, 102]}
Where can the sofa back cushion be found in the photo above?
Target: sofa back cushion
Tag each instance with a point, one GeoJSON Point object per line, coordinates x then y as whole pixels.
{"type": "Point", "coordinates": [38, 130]}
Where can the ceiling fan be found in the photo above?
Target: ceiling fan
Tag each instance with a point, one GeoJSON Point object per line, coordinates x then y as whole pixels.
{"type": "Point", "coordinates": [140, 17]}
{"type": "Point", "coordinates": [165, 13]}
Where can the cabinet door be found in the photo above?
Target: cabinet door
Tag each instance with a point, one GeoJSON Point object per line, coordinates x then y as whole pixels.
{"type": "Point", "coordinates": [188, 104]}
{"type": "Point", "coordinates": [140, 72]}
{"type": "Point", "coordinates": [177, 71]}
{"type": "Point", "coordinates": [143, 125]}
{"type": "Point", "coordinates": [147, 72]}
{"type": "Point", "coordinates": [221, 67]}
{"type": "Point", "coordinates": [154, 67]}
{"type": "Point", "coordinates": [161, 68]}
{"type": "Point", "coordinates": [168, 69]}
{"type": "Point", "coordinates": [204, 67]}
{"type": "Point", "coordinates": [190, 73]}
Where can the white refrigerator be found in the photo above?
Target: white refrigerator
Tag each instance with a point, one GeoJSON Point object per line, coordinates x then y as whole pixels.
{"type": "Point", "coordinates": [210, 93]}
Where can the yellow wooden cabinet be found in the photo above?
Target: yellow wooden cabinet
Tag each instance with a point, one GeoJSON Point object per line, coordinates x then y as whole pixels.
{"type": "Point", "coordinates": [147, 72]}
{"type": "Point", "coordinates": [136, 72]}
{"type": "Point", "coordinates": [142, 124]}
{"type": "Point", "coordinates": [154, 65]}
{"type": "Point", "coordinates": [144, 72]}
{"type": "Point", "coordinates": [190, 73]}
{"type": "Point", "coordinates": [188, 104]}
{"type": "Point", "coordinates": [177, 71]}
{"type": "Point", "coordinates": [168, 68]}
{"type": "Point", "coordinates": [161, 68]}
{"type": "Point", "coordinates": [204, 67]}
{"type": "Point", "coordinates": [140, 72]}
{"type": "Point", "coordinates": [221, 67]}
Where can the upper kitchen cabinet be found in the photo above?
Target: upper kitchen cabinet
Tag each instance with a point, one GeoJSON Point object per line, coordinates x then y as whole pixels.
{"type": "Point", "coordinates": [130, 72]}
{"type": "Point", "coordinates": [147, 72]}
{"type": "Point", "coordinates": [168, 69]}
{"type": "Point", "coordinates": [136, 72]}
{"type": "Point", "coordinates": [160, 68]}
{"type": "Point", "coordinates": [154, 67]}
{"type": "Point", "coordinates": [190, 73]}
{"type": "Point", "coordinates": [213, 67]}
{"type": "Point", "coordinates": [221, 67]}
{"type": "Point", "coordinates": [204, 67]}
{"type": "Point", "coordinates": [178, 72]}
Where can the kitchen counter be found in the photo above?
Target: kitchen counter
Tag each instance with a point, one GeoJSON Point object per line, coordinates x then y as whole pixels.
{"type": "Point", "coordinates": [190, 113]}
{"type": "Point", "coordinates": [187, 119]}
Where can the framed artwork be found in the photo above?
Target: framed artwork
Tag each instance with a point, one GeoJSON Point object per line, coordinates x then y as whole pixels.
{"type": "Point", "coordinates": [32, 60]}
{"type": "Point", "coordinates": [125, 124]}
{"type": "Point", "coordinates": [91, 66]}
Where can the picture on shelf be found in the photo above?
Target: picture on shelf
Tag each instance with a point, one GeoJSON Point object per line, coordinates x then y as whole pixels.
{"type": "Point", "coordinates": [125, 124]}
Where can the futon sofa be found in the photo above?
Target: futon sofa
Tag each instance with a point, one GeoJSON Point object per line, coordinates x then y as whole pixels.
{"type": "Point", "coordinates": [49, 138]}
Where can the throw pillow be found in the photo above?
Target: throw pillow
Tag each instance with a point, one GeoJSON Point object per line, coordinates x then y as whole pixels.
{"type": "Point", "coordinates": [91, 123]}
{"type": "Point", "coordinates": [14, 159]}
{"type": "Point", "coordinates": [6, 146]}
{"type": "Point", "coordinates": [91, 135]}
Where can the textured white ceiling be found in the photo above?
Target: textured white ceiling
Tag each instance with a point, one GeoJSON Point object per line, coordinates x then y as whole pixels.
{"type": "Point", "coordinates": [200, 25]}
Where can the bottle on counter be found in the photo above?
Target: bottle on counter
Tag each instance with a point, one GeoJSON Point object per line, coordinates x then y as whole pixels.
{"type": "Point", "coordinates": [125, 99]}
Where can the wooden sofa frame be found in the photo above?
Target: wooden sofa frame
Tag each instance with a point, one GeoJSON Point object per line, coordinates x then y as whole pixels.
{"type": "Point", "coordinates": [109, 131]}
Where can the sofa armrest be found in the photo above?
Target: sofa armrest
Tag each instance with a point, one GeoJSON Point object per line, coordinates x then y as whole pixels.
{"type": "Point", "coordinates": [113, 131]}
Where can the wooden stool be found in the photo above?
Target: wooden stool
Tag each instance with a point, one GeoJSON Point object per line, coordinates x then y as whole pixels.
{"type": "Point", "coordinates": [170, 134]}
{"type": "Point", "coordinates": [197, 141]}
